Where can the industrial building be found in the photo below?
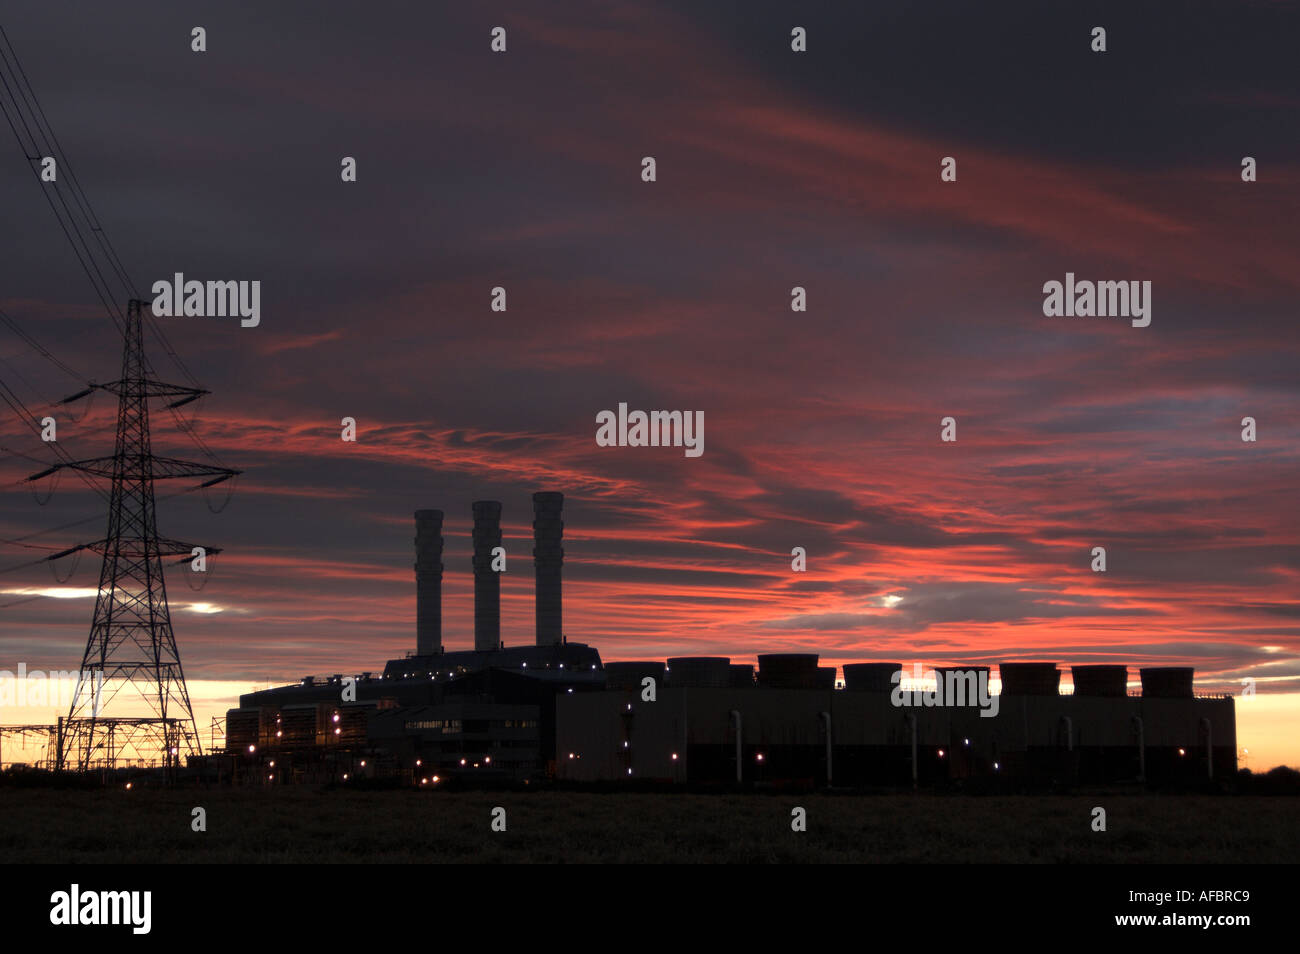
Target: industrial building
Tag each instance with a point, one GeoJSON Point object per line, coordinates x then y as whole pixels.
{"type": "Point", "coordinates": [487, 713]}
{"type": "Point", "coordinates": [553, 710]}
{"type": "Point", "coordinates": [711, 724]}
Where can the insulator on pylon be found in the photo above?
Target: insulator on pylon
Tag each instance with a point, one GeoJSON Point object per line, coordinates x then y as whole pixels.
{"type": "Point", "coordinates": [54, 485]}
{"type": "Point", "coordinates": [76, 561]}
{"type": "Point", "coordinates": [85, 411]}
{"type": "Point", "coordinates": [210, 562]}
{"type": "Point", "coordinates": [230, 492]}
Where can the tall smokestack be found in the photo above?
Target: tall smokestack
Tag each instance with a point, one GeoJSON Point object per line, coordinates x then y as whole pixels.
{"type": "Point", "coordinates": [487, 583]}
{"type": "Point", "coordinates": [548, 558]}
{"type": "Point", "coordinates": [428, 582]}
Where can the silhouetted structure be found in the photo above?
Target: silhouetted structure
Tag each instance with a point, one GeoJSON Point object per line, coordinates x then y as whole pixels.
{"type": "Point", "coordinates": [131, 645]}
{"type": "Point", "coordinates": [487, 583]}
{"type": "Point", "coordinates": [552, 709]}
{"type": "Point", "coordinates": [548, 560]}
{"type": "Point", "coordinates": [785, 731]}
{"type": "Point", "coordinates": [428, 582]}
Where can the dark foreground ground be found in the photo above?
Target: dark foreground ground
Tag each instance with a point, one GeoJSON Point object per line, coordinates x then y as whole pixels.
{"type": "Point", "coordinates": [305, 825]}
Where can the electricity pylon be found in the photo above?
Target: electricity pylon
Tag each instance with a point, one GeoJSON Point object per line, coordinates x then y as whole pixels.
{"type": "Point", "coordinates": [132, 704]}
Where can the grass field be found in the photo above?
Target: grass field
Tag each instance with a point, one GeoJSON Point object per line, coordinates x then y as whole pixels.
{"type": "Point", "coordinates": [305, 825]}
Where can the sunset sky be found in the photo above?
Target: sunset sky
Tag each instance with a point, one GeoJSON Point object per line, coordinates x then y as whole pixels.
{"type": "Point", "coordinates": [822, 429]}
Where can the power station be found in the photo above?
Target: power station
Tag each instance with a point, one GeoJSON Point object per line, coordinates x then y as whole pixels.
{"type": "Point", "coordinates": [489, 711]}
{"type": "Point", "coordinates": [552, 710]}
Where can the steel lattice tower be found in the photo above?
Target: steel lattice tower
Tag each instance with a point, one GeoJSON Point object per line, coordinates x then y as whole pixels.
{"type": "Point", "coordinates": [135, 706]}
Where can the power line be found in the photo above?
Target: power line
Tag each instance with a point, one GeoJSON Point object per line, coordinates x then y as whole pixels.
{"type": "Point", "coordinates": [91, 268]}
{"type": "Point", "coordinates": [23, 566]}
{"type": "Point", "coordinates": [8, 395]}
{"type": "Point", "coordinates": [30, 105]}
{"type": "Point", "coordinates": [41, 120]}
{"type": "Point", "coordinates": [78, 192]}
{"type": "Point", "coordinates": [27, 103]}
{"type": "Point", "coordinates": [8, 365]}
{"type": "Point", "coordinates": [44, 352]}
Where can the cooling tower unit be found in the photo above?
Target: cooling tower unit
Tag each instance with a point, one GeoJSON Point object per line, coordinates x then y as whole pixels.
{"type": "Point", "coordinates": [428, 582]}
{"type": "Point", "coordinates": [628, 675]}
{"type": "Point", "coordinates": [1167, 682]}
{"type": "Point", "coordinates": [1104, 681]}
{"type": "Point", "coordinates": [548, 559]}
{"type": "Point", "coordinates": [964, 682]}
{"type": "Point", "coordinates": [1030, 679]}
{"type": "Point", "coordinates": [870, 677]}
{"type": "Point", "coordinates": [787, 670]}
{"type": "Point", "coordinates": [742, 676]}
{"type": "Point", "coordinates": [487, 582]}
{"type": "Point", "coordinates": [699, 672]}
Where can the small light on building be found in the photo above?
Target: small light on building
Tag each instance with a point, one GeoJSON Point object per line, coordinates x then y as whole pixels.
{"type": "Point", "coordinates": [625, 745]}
{"type": "Point", "coordinates": [629, 771]}
{"type": "Point", "coordinates": [345, 776]}
{"type": "Point", "coordinates": [487, 759]}
{"type": "Point", "coordinates": [278, 733]}
{"type": "Point", "coordinates": [338, 731]}
{"type": "Point", "coordinates": [674, 756]}
{"type": "Point", "coordinates": [128, 786]}
{"type": "Point", "coordinates": [1182, 751]}
{"type": "Point", "coordinates": [363, 763]}
{"type": "Point", "coordinates": [759, 757]}
{"type": "Point", "coordinates": [336, 717]}
{"type": "Point", "coordinates": [941, 753]}
{"type": "Point", "coordinates": [462, 761]}
{"type": "Point", "coordinates": [570, 755]}
{"type": "Point", "coordinates": [419, 762]}
{"type": "Point", "coordinates": [570, 690]}
{"type": "Point", "coordinates": [252, 748]}
{"type": "Point", "coordinates": [965, 741]}
{"type": "Point", "coordinates": [272, 763]}
{"type": "Point", "coordinates": [996, 766]}
{"type": "Point", "coordinates": [435, 780]}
